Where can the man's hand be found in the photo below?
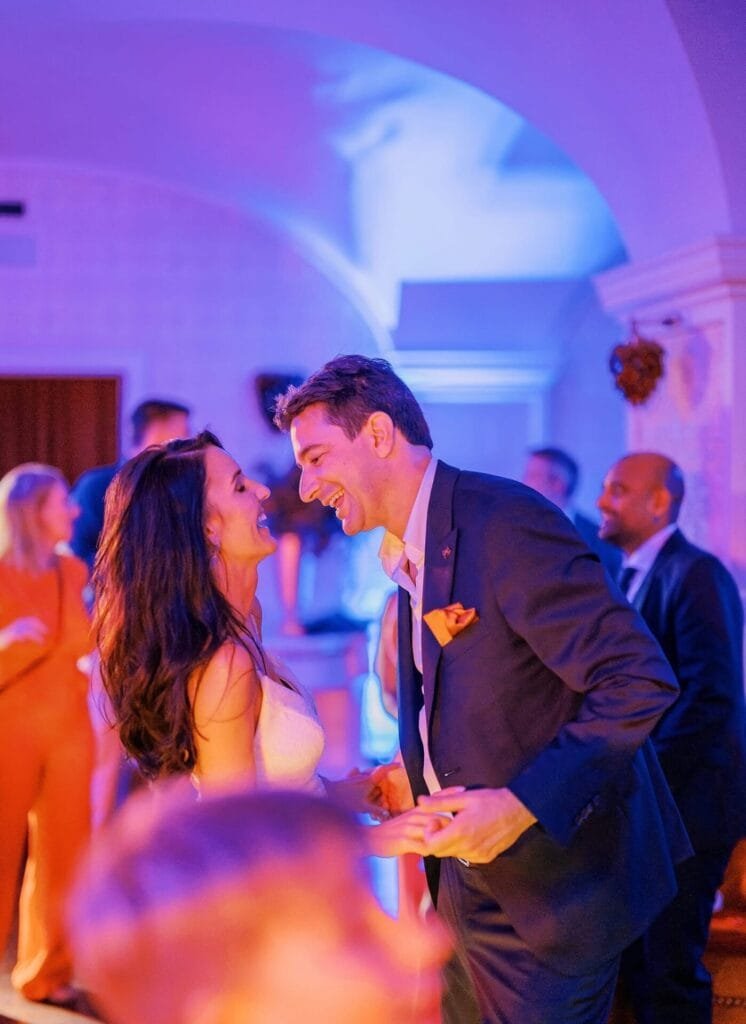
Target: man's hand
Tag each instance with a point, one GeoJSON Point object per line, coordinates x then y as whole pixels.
{"type": "Point", "coordinates": [486, 822]}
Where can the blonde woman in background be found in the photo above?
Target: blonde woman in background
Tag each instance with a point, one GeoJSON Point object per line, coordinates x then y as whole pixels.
{"type": "Point", "coordinates": [46, 747]}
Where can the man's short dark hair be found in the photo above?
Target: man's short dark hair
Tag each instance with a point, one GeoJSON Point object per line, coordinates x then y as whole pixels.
{"type": "Point", "coordinates": [351, 388]}
{"type": "Point", "coordinates": [150, 411]}
{"type": "Point", "coordinates": [562, 461]}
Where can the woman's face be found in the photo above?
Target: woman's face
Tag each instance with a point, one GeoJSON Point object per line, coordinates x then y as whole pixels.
{"type": "Point", "coordinates": [235, 518]}
{"type": "Point", "coordinates": [57, 514]}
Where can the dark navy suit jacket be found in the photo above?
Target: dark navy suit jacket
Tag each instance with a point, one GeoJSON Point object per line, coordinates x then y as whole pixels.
{"type": "Point", "coordinates": [691, 604]}
{"type": "Point", "coordinates": [610, 555]}
{"type": "Point", "coordinates": [553, 692]}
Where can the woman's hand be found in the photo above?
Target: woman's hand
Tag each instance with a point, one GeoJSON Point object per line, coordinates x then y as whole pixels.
{"type": "Point", "coordinates": [392, 793]}
{"type": "Point", "coordinates": [381, 793]}
{"type": "Point", "coordinates": [406, 833]}
{"type": "Point", "coordinates": [358, 792]}
{"type": "Point", "coordinates": [28, 629]}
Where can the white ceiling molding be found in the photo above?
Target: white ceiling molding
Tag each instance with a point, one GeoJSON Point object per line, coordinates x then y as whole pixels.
{"type": "Point", "coordinates": [471, 377]}
{"type": "Point", "coordinates": [709, 267]}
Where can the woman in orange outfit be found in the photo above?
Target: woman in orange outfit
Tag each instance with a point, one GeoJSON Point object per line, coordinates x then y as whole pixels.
{"type": "Point", "coordinates": [46, 742]}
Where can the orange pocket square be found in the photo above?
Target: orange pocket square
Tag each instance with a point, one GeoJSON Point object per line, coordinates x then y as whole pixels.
{"type": "Point", "coordinates": [446, 623]}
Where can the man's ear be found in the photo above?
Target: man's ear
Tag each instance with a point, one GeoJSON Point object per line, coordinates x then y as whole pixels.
{"type": "Point", "coordinates": [661, 504]}
{"type": "Point", "coordinates": [380, 428]}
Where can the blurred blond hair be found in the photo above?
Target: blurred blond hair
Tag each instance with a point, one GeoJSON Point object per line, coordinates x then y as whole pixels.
{"type": "Point", "coordinates": [23, 492]}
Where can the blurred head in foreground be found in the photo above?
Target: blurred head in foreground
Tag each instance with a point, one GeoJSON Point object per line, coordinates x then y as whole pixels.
{"type": "Point", "coordinates": [243, 908]}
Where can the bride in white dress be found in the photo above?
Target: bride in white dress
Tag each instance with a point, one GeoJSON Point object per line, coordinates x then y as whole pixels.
{"type": "Point", "coordinates": [178, 628]}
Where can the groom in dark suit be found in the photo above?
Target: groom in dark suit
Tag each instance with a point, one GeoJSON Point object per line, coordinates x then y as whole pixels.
{"type": "Point", "coordinates": [527, 692]}
{"type": "Point", "coordinates": [691, 603]}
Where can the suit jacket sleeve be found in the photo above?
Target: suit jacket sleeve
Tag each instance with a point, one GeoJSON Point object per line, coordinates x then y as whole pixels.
{"type": "Point", "coordinates": [555, 595]}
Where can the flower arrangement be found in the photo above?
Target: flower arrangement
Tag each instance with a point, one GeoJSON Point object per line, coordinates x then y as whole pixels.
{"type": "Point", "coordinates": [637, 365]}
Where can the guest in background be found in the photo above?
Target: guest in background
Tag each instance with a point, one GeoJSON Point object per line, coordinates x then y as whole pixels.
{"type": "Point", "coordinates": [46, 749]}
{"type": "Point", "coordinates": [246, 908]}
{"type": "Point", "coordinates": [691, 603]}
{"type": "Point", "coordinates": [153, 421]}
{"type": "Point", "coordinates": [555, 474]}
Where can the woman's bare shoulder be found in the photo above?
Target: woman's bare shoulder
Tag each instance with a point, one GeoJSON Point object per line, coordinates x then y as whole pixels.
{"type": "Point", "coordinates": [227, 685]}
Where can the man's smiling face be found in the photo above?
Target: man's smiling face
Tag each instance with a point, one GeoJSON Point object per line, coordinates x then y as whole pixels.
{"type": "Point", "coordinates": [338, 472]}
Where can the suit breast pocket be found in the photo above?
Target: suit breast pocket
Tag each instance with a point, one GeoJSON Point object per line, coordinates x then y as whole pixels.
{"type": "Point", "coordinates": [465, 643]}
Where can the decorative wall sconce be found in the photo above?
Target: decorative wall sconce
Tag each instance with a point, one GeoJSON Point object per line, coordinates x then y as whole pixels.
{"type": "Point", "coordinates": [638, 362]}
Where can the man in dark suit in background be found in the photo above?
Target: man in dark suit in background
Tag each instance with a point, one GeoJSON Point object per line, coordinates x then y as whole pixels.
{"type": "Point", "coordinates": [527, 687]}
{"type": "Point", "coordinates": [153, 421]}
{"type": "Point", "coordinates": [555, 474]}
{"type": "Point", "coordinates": [691, 603]}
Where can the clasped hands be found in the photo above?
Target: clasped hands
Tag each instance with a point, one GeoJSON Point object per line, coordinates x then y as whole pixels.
{"type": "Point", "coordinates": [475, 825]}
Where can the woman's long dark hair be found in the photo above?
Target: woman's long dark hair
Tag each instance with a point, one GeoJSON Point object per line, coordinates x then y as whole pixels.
{"type": "Point", "coordinates": [159, 615]}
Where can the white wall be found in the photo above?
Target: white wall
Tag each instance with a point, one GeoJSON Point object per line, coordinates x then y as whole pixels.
{"type": "Point", "coordinates": [184, 298]}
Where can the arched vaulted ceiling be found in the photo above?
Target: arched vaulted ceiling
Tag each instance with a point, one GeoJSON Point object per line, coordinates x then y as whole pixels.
{"type": "Point", "coordinates": [372, 131]}
{"type": "Point", "coordinates": [634, 93]}
{"type": "Point", "coordinates": [383, 170]}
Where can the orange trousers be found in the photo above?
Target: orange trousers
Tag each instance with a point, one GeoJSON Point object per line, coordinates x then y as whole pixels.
{"type": "Point", "coordinates": [46, 760]}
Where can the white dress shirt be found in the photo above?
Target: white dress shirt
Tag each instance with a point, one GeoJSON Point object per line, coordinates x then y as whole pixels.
{"type": "Point", "coordinates": [642, 558]}
{"type": "Point", "coordinates": [396, 558]}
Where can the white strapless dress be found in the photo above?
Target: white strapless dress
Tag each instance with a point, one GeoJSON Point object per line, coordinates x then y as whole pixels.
{"type": "Point", "coordinates": [289, 739]}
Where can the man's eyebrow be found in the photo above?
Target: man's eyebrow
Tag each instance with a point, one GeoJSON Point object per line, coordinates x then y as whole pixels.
{"type": "Point", "coordinates": [236, 475]}
{"type": "Point", "coordinates": [304, 451]}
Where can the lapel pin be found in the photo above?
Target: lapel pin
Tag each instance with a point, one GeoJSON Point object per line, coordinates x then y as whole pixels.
{"type": "Point", "coordinates": [446, 552]}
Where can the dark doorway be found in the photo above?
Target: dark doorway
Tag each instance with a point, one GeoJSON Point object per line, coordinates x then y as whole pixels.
{"type": "Point", "coordinates": [68, 422]}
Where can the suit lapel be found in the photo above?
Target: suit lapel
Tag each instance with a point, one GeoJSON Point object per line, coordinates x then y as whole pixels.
{"type": "Point", "coordinates": [656, 576]}
{"type": "Point", "coordinates": [440, 561]}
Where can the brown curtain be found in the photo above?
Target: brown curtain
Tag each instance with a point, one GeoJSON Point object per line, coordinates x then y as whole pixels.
{"type": "Point", "coordinates": [68, 422]}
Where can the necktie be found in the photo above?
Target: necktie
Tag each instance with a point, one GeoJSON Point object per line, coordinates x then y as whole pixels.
{"type": "Point", "coordinates": [625, 578]}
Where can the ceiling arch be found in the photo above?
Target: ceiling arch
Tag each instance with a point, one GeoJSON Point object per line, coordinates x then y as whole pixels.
{"type": "Point", "coordinates": [633, 92]}
{"type": "Point", "coordinates": [381, 170]}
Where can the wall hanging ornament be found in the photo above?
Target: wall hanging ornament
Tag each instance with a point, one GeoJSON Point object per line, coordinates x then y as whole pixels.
{"type": "Point", "coordinates": [637, 364]}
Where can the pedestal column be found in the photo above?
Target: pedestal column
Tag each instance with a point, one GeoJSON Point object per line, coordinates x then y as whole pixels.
{"type": "Point", "coordinates": [696, 415]}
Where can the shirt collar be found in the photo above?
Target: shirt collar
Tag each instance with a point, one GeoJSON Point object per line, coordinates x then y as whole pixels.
{"type": "Point", "coordinates": [394, 551]}
{"type": "Point", "coordinates": [643, 557]}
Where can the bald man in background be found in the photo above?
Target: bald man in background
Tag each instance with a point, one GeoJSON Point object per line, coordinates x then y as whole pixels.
{"type": "Point", "coordinates": [691, 603]}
